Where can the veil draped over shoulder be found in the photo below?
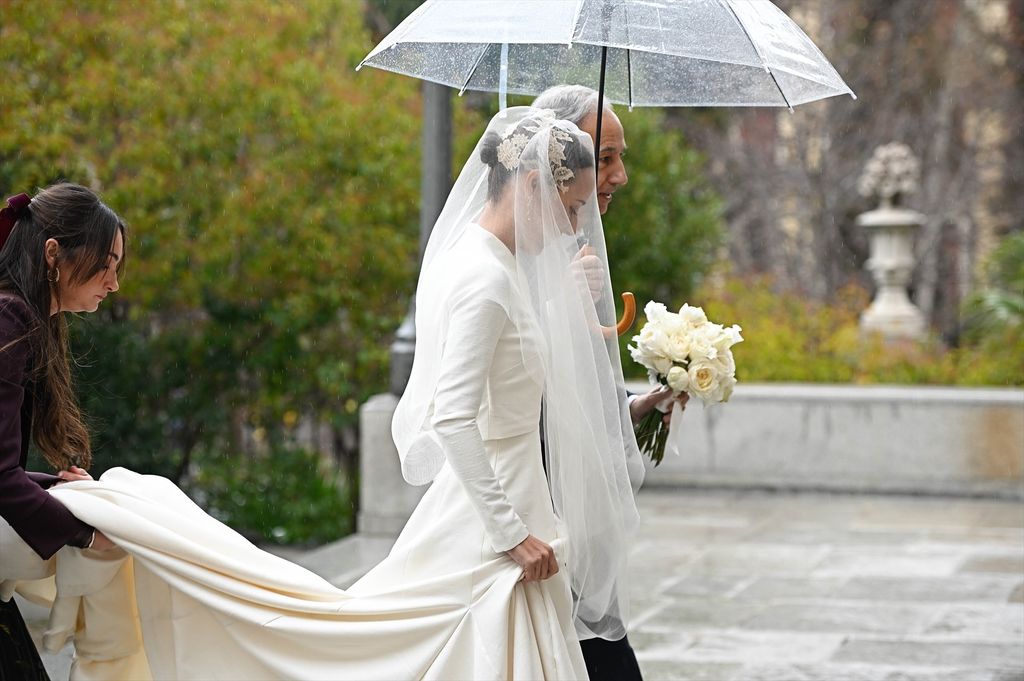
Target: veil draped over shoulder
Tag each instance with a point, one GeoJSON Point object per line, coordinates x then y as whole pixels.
{"type": "Point", "coordinates": [592, 460]}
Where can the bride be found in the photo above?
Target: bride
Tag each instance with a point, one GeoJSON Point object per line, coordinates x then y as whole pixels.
{"type": "Point", "coordinates": [511, 556]}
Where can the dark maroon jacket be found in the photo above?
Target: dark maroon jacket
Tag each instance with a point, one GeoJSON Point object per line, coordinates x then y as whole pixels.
{"type": "Point", "coordinates": [43, 522]}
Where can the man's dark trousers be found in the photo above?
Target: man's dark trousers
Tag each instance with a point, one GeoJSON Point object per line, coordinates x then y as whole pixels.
{"type": "Point", "coordinates": [610, 660]}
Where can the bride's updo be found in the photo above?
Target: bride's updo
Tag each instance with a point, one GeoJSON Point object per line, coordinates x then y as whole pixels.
{"type": "Point", "coordinates": [502, 152]}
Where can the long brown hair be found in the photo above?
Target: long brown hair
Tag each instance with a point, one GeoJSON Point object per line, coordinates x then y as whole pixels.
{"type": "Point", "coordinates": [85, 228]}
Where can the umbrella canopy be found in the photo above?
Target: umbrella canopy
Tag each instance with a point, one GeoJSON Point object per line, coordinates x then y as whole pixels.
{"type": "Point", "coordinates": [655, 52]}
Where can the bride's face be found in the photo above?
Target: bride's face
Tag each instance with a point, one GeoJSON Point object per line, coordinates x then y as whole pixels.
{"type": "Point", "coordinates": [538, 219]}
{"type": "Point", "coordinates": [577, 195]}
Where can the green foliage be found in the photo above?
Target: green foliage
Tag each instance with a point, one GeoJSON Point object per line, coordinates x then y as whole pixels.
{"type": "Point", "coordinates": [150, 397]}
{"type": "Point", "coordinates": [272, 198]}
{"type": "Point", "coordinates": [1008, 263]}
{"type": "Point", "coordinates": [790, 338]}
{"type": "Point", "coordinates": [285, 497]}
{"type": "Point", "coordinates": [999, 307]}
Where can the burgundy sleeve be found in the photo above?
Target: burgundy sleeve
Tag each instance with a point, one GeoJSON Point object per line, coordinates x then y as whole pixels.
{"type": "Point", "coordinates": [43, 522]}
{"type": "Point", "coordinates": [44, 480]}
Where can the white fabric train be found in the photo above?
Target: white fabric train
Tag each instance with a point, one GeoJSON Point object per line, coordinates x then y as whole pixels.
{"type": "Point", "coordinates": [207, 604]}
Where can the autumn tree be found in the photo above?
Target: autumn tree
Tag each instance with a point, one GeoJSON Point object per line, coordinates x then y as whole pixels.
{"type": "Point", "coordinates": [271, 193]}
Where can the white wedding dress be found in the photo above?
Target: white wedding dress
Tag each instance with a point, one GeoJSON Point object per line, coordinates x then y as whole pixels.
{"type": "Point", "coordinates": [446, 603]}
{"type": "Point", "coordinates": [491, 492]}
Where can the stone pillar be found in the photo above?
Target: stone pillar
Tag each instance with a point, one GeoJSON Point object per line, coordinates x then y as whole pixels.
{"type": "Point", "coordinates": [891, 264]}
{"type": "Point", "coordinates": [385, 499]}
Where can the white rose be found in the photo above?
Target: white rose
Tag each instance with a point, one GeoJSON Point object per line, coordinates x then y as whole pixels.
{"type": "Point", "coordinates": [679, 346]}
{"type": "Point", "coordinates": [678, 379]}
{"type": "Point", "coordinates": [705, 381]}
{"type": "Point", "coordinates": [673, 323]}
{"type": "Point", "coordinates": [641, 355]}
{"type": "Point", "coordinates": [652, 348]}
{"type": "Point", "coordinates": [728, 338]}
{"type": "Point", "coordinates": [725, 366]}
{"type": "Point", "coordinates": [725, 363]}
{"type": "Point", "coordinates": [662, 365]}
{"type": "Point", "coordinates": [727, 384]}
{"type": "Point", "coordinates": [702, 343]}
{"type": "Point", "coordinates": [654, 311]}
{"type": "Point", "coordinates": [694, 316]}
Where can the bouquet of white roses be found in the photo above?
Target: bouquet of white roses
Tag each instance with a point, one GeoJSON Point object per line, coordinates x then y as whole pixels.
{"type": "Point", "coordinates": [687, 353]}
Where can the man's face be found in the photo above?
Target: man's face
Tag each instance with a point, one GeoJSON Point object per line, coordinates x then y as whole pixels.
{"type": "Point", "coordinates": [611, 172]}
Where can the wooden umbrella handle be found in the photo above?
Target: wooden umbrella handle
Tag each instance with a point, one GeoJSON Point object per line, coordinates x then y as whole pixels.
{"type": "Point", "coordinates": [628, 316]}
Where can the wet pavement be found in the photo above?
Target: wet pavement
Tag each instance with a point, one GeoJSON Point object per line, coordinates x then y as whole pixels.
{"type": "Point", "coordinates": [752, 586]}
{"type": "Point", "coordinates": [745, 586]}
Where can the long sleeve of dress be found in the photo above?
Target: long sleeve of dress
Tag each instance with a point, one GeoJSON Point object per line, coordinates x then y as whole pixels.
{"type": "Point", "coordinates": [43, 522]}
{"type": "Point", "coordinates": [474, 328]}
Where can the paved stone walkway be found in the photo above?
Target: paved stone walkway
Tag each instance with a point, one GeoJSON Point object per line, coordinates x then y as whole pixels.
{"type": "Point", "coordinates": [747, 586]}
{"type": "Point", "coordinates": [741, 586]}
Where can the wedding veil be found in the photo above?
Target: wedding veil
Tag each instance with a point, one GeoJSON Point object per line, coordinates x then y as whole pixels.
{"type": "Point", "coordinates": [591, 453]}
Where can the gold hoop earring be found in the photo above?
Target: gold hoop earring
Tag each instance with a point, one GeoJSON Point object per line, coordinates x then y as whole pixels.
{"type": "Point", "coordinates": [53, 276]}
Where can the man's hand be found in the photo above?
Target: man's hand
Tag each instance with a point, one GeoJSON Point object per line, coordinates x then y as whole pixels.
{"type": "Point", "coordinates": [536, 558]}
{"type": "Point", "coordinates": [640, 406]}
{"type": "Point", "coordinates": [589, 271]}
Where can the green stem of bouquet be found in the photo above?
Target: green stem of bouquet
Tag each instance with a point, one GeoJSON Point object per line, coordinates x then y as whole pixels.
{"type": "Point", "coordinates": [651, 435]}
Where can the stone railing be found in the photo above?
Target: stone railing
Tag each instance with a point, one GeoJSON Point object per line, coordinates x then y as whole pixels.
{"type": "Point", "coordinates": [933, 440]}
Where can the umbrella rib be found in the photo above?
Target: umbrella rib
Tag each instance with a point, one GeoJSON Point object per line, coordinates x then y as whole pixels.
{"type": "Point", "coordinates": [759, 55]}
{"type": "Point", "coordinates": [629, 66]}
{"type": "Point", "coordinates": [473, 70]}
{"type": "Point", "coordinates": [600, 113]}
{"type": "Point", "coordinates": [577, 29]}
{"type": "Point", "coordinates": [629, 79]}
{"type": "Point", "coordinates": [779, 87]}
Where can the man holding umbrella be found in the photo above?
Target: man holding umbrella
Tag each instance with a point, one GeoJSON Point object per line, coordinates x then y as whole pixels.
{"type": "Point", "coordinates": [612, 660]}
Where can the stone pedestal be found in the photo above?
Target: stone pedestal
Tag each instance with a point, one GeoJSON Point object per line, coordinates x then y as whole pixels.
{"type": "Point", "coordinates": [891, 264]}
{"type": "Point", "coordinates": [386, 500]}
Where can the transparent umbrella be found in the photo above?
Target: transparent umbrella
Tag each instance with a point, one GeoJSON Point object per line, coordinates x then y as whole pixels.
{"type": "Point", "coordinates": [636, 52]}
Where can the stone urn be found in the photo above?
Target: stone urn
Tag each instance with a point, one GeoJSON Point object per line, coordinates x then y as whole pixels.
{"type": "Point", "coordinates": [890, 175]}
{"type": "Point", "coordinates": [891, 264]}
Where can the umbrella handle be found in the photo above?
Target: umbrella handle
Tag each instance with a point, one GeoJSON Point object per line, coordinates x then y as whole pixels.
{"type": "Point", "coordinates": [628, 316]}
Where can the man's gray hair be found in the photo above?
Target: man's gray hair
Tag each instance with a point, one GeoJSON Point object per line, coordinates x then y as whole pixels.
{"type": "Point", "coordinates": [571, 103]}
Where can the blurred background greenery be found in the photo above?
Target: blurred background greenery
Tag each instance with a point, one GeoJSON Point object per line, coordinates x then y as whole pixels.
{"type": "Point", "coordinates": [272, 197]}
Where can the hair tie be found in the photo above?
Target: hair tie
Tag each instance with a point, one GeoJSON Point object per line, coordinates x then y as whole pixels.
{"type": "Point", "coordinates": [16, 208]}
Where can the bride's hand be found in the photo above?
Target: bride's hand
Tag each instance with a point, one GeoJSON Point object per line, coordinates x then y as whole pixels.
{"type": "Point", "coordinates": [74, 473]}
{"type": "Point", "coordinates": [589, 272]}
{"type": "Point", "coordinates": [536, 558]}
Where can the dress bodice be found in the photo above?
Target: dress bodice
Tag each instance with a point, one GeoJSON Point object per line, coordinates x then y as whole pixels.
{"type": "Point", "coordinates": [510, 404]}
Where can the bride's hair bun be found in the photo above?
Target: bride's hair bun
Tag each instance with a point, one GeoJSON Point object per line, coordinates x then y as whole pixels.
{"type": "Point", "coordinates": [504, 165]}
{"type": "Point", "coordinates": [489, 148]}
